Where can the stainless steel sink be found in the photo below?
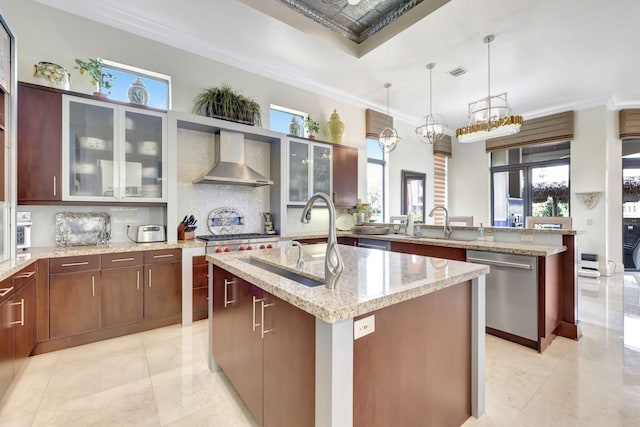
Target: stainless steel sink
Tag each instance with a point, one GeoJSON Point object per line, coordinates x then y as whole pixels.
{"type": "Point", "coordinates": [303, 280]}
{"type": "Point", "coordinates": [457, 239]}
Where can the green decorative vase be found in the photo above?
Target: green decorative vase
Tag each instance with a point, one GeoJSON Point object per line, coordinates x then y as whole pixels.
{"type": "Point", "coordinates": [294, 127]}
{"type": "Point", "coordinates": [335, 126]}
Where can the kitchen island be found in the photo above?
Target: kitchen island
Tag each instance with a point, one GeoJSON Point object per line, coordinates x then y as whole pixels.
{"type": "Point", "coordinates": [399, 341]}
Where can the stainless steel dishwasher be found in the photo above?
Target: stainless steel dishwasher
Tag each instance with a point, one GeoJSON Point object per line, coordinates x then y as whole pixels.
{"type": "Point", "coordinates": [512, 292]}
{"type": "Point", "coordinates": [384, 245]}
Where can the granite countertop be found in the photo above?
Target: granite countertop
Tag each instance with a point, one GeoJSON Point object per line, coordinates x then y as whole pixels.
{"type": "Point", "coordinates": [24, 259]}
{"type": "Point", "coordinates": [372, 279]}
{"type": "Point", "coordinates": [481, 245]}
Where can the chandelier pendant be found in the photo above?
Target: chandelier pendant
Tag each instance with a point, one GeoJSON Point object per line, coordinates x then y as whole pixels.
{"type": "Point", "coordinates": [388, 138]}
{"type": "Point", "coordinates": [489, 117]}
{"type": "Point", "coordinates": [435, 125]}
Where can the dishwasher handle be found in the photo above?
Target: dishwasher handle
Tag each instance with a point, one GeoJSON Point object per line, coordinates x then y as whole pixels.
{"type": "Point", "coordinates": [370, 246]}
{"type": "Point", "coordinates": [518, 265]}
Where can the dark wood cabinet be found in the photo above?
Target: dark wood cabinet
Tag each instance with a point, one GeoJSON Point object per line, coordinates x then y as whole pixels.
{"type": "Point", "coordinates": [24, 309]}
{"type": "Point", "coordinates": [74, 302]}
{"type": "Point", "coordinates": [122, 291]}
{"type": "Point", "coordinates": [200, 293]}
{"type": "Point", "coordinates": [162, 283]}
{"type": "Point", "coordinates": [266, 347]}
{"type": "Point", "coordinates": [39, 144]}
{"type": "Point", "coordinates": [457, 254]}
{"type": "Point", "coordinates": [6, 340]}
{"type": "Point", "coordinates": [345, 176]}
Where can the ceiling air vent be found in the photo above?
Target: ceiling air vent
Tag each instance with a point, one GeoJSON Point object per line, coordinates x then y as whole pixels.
{"type": "Point", "coordinates": [458, 71]}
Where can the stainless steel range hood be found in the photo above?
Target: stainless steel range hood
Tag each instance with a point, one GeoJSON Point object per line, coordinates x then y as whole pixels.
{"type": "Point", "coordinates": [229, 166]}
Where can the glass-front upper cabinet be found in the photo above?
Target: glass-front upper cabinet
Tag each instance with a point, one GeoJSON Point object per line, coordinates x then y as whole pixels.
{"type": "Point", "coordinates": [112, 152]}
{"type": "Point", "coordinates": [309, 170]}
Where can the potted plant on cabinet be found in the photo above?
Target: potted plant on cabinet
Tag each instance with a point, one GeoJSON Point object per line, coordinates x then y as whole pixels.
{"type": "Point", "coordinates": [224, 103]}
{"type": "Point", "coordinates": [101, 80]}
{"type": "Point", "coordinates": [312, 127]}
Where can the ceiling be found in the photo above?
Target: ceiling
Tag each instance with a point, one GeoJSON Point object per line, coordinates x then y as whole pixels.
{"type": "Point", "coordinates": [549, 55]}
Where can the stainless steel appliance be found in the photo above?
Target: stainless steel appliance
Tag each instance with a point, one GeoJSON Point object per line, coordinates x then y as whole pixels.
{"type": "Point", "coordinates": [217, 243]}
{"type": "Point", "coordinates": [374, 244]}
{"type": "Point", "coordinates": [512, 292]}
{"type": "Point", "coordinates": [23, 230]}
{"type": "Point", "coordinates": [151, 233]}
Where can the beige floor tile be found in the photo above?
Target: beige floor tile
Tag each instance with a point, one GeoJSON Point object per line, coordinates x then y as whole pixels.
{"type": "Point", "coordinates": [177, 351]}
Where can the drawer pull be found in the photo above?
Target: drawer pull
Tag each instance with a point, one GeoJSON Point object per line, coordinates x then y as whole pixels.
{"type": "Point", "coordinates": [255, 300]}
{"type": "Point", "coordinates": [226, 284]}
{"type": "Point", "coordinates": [123, 259]}
{"type": "Point", "coordinates": [21, 321]}
{"type": "Point", "coordinates": [163, 256]}
{"type": "Point", "coordinates": [262, 330]}
{"type": "Point", "coordinates": [74, 264]}
{"type": "Point", "coordinates": [138, 279]}
{"type": "Point", "coordinates": [93, 285]}
{"type": "Point", "coordinates": [24, 275]}
{"type": "Point", "coordinates": [5, 291]}
{"type": "Point", "coordinates": [149, 277]}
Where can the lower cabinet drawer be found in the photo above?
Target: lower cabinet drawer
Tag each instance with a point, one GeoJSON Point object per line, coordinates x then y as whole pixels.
{"type": "Point", "coordinates": [119, 260]}
{"type": "Point", "coordinates": [160, 256]}
{"type": "Point", "coordinates": [73, 264]}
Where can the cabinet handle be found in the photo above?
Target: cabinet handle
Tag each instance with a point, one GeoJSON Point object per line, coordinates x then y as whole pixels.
{"type": "Point", "coordinates": [93, 285]}
{"type": "Point", "coordinates": [262, 330]}
{"type": "Point", "coordinates": [55, 190]}
{"type": "Point", "coordinates": [149, 277]}
{"type": "Point", "coordinates": [122, 259]}
{"type": "Point", "coordinates": [73, 264]}
{"type": "Point", "coordinates": [5, 291]}
{"type": "Point", "coordinates": [163, 256]}
{"type": "Point", "coordinates": [24, 275]}
{"type": "Point", "coordinates": [255, 300]}
{"type": "Point", "coordinates": [21, 321]}
{"type": "Point", "coordinates": [226, 284]}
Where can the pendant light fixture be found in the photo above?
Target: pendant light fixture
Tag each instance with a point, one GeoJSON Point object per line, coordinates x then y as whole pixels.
{"type": "Point", "coordinates": [434, 125]}
{"type": "Point", "coordinates": [388, 138]}
{"type": "Point", "coordinates": [489, 117]}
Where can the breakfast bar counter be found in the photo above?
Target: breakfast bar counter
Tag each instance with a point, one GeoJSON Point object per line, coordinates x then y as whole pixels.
{"type": "Point", "coordinates": [400, 339]}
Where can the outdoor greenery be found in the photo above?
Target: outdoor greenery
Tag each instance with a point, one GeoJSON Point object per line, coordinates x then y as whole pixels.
{"type": "Point", "coordinates": [224, 103]}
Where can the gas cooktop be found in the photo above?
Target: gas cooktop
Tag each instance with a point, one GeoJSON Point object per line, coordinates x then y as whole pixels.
{"type": "Point", "coordinates": [241, 236]}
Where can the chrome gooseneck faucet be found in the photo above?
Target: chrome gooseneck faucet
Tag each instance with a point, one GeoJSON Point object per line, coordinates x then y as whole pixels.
{"type": "Point", "coordinates": [447, 227]}
{"type": "Point", "coordinates": [333, 264]}
{"type": "Point", "coordinates": [300, 262]}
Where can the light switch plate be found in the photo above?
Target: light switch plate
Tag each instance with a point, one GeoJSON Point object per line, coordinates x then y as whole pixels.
{"type": "Point", "coordinates": [364, 326]}
{"type": "Point", "coordinates": [526, 238]}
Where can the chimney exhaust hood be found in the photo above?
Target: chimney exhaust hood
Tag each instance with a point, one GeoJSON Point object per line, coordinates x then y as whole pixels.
{"type": "Point", "coordinates": [229, 167]}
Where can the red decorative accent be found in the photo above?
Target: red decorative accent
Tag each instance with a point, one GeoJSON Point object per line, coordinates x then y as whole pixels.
{"type": "Point", "coordinates": [218, 250]}
{"type": "Point", "coordinates": [241, 248]}
{"type": "Point", "coordinates": [269, 246]}
{"type": "Point", "coordinates": [227, 249]}
{"type": "Point", "coordinates": [249, 248]}
{"type": "Point", "coordinates": [262, 246]}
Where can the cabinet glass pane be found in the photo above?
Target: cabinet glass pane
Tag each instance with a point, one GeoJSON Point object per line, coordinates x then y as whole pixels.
{"type": "Point", "coordinates": [298, 171]}
{"type": "Point", "coordinates": [322, 169]}
{"type": "Point", "coordinates": [92, 171]}
{"type": "Point", "coordinates": [143, 156]}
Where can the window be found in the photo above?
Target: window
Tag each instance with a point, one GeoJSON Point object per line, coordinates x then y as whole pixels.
{"type": "Point", "coordinates": [439, 186]}
{"type": "Point", "coordinates": [158, 85]}
{"type": "Point", "coordinates": [375, 179]}
{"type": "Point", "coordinates": [286, 120]}
{"type": "Point", "coordinates": [530, 181]}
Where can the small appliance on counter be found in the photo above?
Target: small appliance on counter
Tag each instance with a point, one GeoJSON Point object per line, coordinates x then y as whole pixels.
{"type": "Point", "coordinates": [150, 233]}
{"type": "Point", "coordinates": [268, 223]}
{"type": "Point", "coordinates": [23, 230]}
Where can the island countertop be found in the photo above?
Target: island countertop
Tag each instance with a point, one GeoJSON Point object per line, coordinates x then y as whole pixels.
{"type": "Point", "coordinates": [371, 280]}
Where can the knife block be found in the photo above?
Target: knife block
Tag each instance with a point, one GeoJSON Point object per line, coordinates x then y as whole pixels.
{"type": "Point", "coordinates": [185, 235]}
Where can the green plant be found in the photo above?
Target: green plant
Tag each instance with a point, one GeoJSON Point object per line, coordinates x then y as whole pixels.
{"type": "Point", "coordinates": [223, 102]}
{"type": "Point", "coordinates": [93, 67]}
{"type": "Point", "coordinates": [311, 126]}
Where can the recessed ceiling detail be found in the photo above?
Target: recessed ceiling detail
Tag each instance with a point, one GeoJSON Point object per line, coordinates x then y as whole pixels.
{"type": "Point", "coordinates": [355, 22]}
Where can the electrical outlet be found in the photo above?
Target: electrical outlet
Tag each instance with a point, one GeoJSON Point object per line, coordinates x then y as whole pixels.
{"type": "Point", "coordinates": [364, 326]}
{"type": "Point", "coordinates": [526, 237]}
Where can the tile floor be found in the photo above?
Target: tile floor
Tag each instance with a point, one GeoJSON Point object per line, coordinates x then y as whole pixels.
{"type": "Point", "coordinates": [160, 377]}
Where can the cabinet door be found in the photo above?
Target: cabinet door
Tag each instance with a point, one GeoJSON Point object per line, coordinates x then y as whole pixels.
{"type": "Point", "coordinates": [299, 171]}
{"type": "Point", "coordinates": [144, 149]}
{"type": "Point", "coordinates": [345, 176]}
{"type": "Point", "coordinates": [24, 323]}
{"type": "Point", "coordinates": [90, 167]}
{"type": "Point", "coordinates": [74, 303]}
{"type": "Point", "coordinates": [6, 347]}
{"type": "Point", "coordinates": [321, 162]}
{"type": "Point", "coordinates": [289, 365]}
{"type": "Point", "coordinates": [162, 290]}
{"type": "Point", "coordinates": [246, 372]}
{"type": "Point", "coordinates": [222, 317]}
{"type": "Point", "coordinates": [121, 297]}
{"type": "Point", "coordinates": [39, 145]}
{"type": "Point", "coordinates": [200, 288]}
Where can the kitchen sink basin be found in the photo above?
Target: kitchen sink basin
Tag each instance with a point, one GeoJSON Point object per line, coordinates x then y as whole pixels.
{"type": "Point", "coordinates": [456, 239]}
{"type": "Point", "coordinates": [303, 280]}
